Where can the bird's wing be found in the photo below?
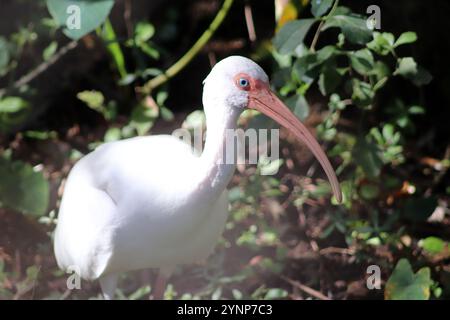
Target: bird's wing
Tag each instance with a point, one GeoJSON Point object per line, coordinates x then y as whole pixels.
{"type": "Point", "coordinates": [114, 175]}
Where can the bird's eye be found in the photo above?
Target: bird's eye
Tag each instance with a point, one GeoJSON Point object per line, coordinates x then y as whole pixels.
{"type": "Point", "coordinates": [243, 82]}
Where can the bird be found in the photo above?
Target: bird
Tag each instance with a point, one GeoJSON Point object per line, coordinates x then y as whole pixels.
{"type": "Point", "coordinates": [151, 201]}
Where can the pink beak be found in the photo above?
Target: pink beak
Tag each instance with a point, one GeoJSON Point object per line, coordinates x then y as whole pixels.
{"type": "Point", "coordinates": [265, 101]}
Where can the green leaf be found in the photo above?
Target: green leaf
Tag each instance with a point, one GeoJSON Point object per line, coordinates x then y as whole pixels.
{"type": "Point", "coordinates": [403, 284]}
{"type": "Point", "coordinates": [268, 167]}
{"type": "Point", "coordinates": [407, 67]}
{"type": "Point", "coordinates": [367, 155]}
{"type": "Point", "coordinates": [276, 293]}
{"type": "Point", "coordinates": [369, 191]}
{"type": "Point", "coordinates": [50, 50]}
{"type": "Point", "coordinates": [363, 93]}
{"type": "Point", "coordinates": [320, 7]}
{"type": "Point", "coordinates": [143, 32]}
{"type": "Point", "coordinates": [12, 104]}
{"type": "Point", "coordinates": [113, 46]}
{"type": "Point", "coordinates": [237, 295]}
{"type": "Point", "coordinates": [432, 244]}
{"type": "Point", "coordinates": [112, 134]}
{"type": "Point", "coordinates": [92, 13]}
{"type": "Point", "coordinates": [354, 28]}
{"type": "Point", "coordinates": [23, 188]}
{"type": "Point", "coordinates": [362, 61]}
{"type": "Point", "coordinates": [292, 35]}
{"type": "Point", "coordinates": [140, 293]}
{"type": "Point", "coordinates": [307, 68]}
{"type": "Point", "coordinates": [94, 99]}
{"type": "Point", "coordinates": [382, 72]}
{"type": "Point", "coordinates": [195, 120]}
{"type": "Point", "coordinates": [382, 43]}
{"type": "Point", "coordinates": [329, 78]}
{"type": "Point", "coordinates": [4, 54]}
{"type": "Point", "coordinates": [166, 114]}
{"type": "Point", "coordinates": [336, 103]}
{"type": "Point", "coordinates": [299, 105]}
{"type": "Point", "coordinates": [143, 118]}
{"type": "Point", "coordinates": [416, 110]}
{"type": "Point", "coordinates": [407, 37]}
{"type": "Point", "coordinates": [326, 53]}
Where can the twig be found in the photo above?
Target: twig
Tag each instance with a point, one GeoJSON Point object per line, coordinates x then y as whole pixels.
{"type": "Point", "coordinates": [312, 292]}
{"type": "Point", "coordinates": [42, 67]}
{"type": "Point", "coordinates": [331, 250]}
{"type": "Point", "coordinates": [127, 17]}
{"type": "Point", "coordinates": [319, 28]}
{"type": "Point", "coordinates": [66, 294]}
{"type": "Point", "coordinates": [316, 36]}
{"type": "Point", "coordinates": [28, 288]}
{"type": "Point", "coordinates": [192, 52]}
{"type": "Point", "coordinates": [249, 22]}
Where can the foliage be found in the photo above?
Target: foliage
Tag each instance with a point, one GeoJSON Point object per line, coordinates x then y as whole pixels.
{"type": "Point", "coordinates": [23, 187]}
{"type": "Point", "coordinates": [321, 52]}
{"type": "Point", "coordinates": [404, 284]}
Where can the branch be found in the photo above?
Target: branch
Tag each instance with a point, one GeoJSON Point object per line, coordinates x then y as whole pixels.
{"type": "Point", "coordinates": [193, 51]}
{"type": "Point", "coordinates": [319, 28]}
{"type": "Point", "coordinates": [42, 67]}
{"type": "Point", "coordinates": [312, 292]}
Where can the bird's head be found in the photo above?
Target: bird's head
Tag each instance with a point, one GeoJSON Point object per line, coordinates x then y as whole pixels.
{"type": "Point", "coordinates": [239, 83]}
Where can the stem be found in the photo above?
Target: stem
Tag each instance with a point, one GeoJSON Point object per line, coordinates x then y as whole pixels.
{"type": "Point", "coordinates": [192, 52]}
{"type": "Point", "coordinates": [42, 67]}
{"type": "Point", "coordinates": [319, 28]}
{"type": "Point", "coordinates": [112, 45]}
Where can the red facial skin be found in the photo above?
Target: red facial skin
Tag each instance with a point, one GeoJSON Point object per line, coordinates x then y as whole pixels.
{"type": "Point", "coordinates": [261, 98]}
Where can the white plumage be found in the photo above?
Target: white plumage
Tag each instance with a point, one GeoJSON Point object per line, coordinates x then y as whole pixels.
{"type": "Point", "coordinates": [149, 202]}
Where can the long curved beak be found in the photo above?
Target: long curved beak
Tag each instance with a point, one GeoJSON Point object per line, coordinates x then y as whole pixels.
{"type": "Point", "coordinates": [265, 101]}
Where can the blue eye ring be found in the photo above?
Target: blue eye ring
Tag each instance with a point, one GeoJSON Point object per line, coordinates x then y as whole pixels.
{"type": "Point", "coordinates": [244, 82]}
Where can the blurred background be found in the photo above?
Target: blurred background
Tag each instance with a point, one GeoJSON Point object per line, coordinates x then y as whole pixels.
{"type": "Point", "coordinates": [378, 101]}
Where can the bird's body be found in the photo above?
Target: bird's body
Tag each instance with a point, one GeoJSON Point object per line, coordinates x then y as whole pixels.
{"type": "Point", "coordinates": [120, 214]}
{"type": "Point", "coordinates": [150, 202]}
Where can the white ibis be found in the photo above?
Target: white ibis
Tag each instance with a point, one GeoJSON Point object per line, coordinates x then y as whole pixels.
{"type": "Point", "coordinates": [150, 202]}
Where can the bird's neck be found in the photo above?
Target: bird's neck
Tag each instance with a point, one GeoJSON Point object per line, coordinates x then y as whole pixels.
{"type": "Point", "coordinates": [216, 169]}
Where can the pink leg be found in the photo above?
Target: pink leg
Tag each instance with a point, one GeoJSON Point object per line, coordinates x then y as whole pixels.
{"type": "Point", "coordinates": [159, 287]}
{"type": "Point", "coordinates": [160, 284]}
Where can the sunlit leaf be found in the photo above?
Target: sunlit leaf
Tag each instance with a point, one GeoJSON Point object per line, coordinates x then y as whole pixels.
{"type": "Point", "coordinates": [92, 13]}
{"type": "Point", "coordinates": [93, 99]}
{"type": "Point", "coordinates": [320, 7]}
{"type": "Point", "coordinates": [23, 188]}
{"type": "Point", "coordinates": [367, 155]}
{"type": "Point", "coordinates": [403, 284]}
{"type": "Point", "coordinates": [144, 31]}
{"type": "Point", "coordinates": [275, 293]}
{"type": "Point", "coordinates": [292, 35]}
{"type": "Point", "coordinates": [406, 37]}
{"type": "Point", "coordinates": [362, 61]}
{"type": "Point", "coordinates": [432, 244]}
{"type": "Point", "coordinates": [382, 43]}
{"type": "Point", "coordinates": [407, 67]}
{"type": "Point", "coordinates": [299, 105]}
{"type": "Point", "coordinates": [50, 50]}
{"type": "Point", "coordinates": [363, 93]}
{"type": "Point", "coordinates": [354, 28]}
{"type": "Point", "coordinates": [12, 104]}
